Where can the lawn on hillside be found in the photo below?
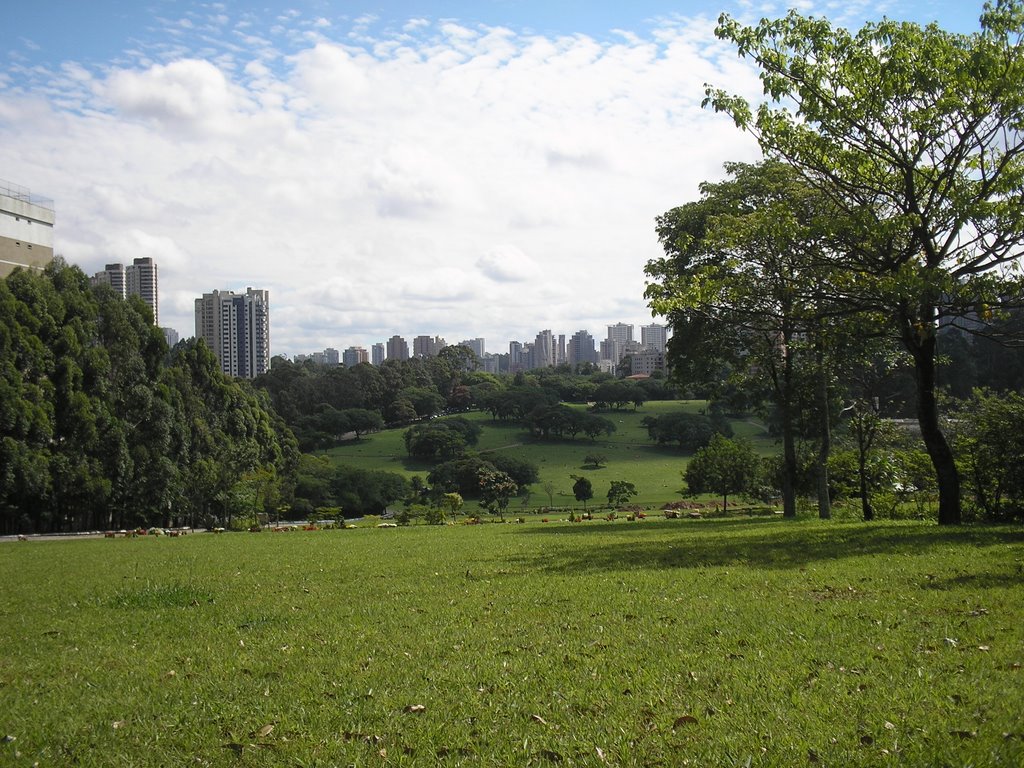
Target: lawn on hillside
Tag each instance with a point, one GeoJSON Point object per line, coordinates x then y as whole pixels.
{"type": "Point", "coordinates": [655, 471]}
{"type": "Point", "coordinates": [654, 643]}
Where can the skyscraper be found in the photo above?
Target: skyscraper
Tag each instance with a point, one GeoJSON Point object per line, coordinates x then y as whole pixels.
{"type": "Point", "coordinates": [654, 337]}
{"type": "Point", "coordinates": [377, 353]}
{"type": "Point", "coordinates": [353, 356]}
{"type": "Point", "coordinates": [398, 348]}
{"type": "Point", "coordinates": [112, 275]}
{"type": "Point", "coordinates": [140, 279]}
{"type": "Point", "coordinates": [26, 229]}
{"type": "Point", "coordinates": [581, 349]}
{"type": "Point", "coordinates": [544, 350]}
{"type": "Point", "coordinates": [237, 328]}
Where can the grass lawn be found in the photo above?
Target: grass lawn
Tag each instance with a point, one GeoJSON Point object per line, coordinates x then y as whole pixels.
{"type": "Point", "coordinates": [655, 643]}
{"type": "Point", "coordinates": [632, 456]}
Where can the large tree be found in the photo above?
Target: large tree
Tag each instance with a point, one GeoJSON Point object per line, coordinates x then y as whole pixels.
{"type": "Point", "coordinates": [745, 275]}
{"type": "Point", "coordinates": [916, 134]}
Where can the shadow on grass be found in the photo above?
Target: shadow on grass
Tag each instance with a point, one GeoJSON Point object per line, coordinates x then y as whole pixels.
{"type": "Point", "coordinates": [774, 544]}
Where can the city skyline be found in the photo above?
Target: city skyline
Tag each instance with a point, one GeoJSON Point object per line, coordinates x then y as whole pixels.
{"type": "Point", "coordinates": [493, 166]}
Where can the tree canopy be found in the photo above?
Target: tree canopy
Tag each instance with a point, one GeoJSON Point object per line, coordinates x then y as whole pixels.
{"type": "Point", "coordinates": [915, 134]}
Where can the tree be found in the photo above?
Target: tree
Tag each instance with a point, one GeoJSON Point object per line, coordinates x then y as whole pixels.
{"type": "Point", "coordinates": [582, 489]}
{"type": "Point", "coordinates": [620, 492]}
{"type": "Point", "coordinates": [915, 134]}
{"type": "Point", "coordinates": [724, 467]}
{"type": "Point", "coordinates": [496, 488]}
{"type": "Point", "coordinates": [737, 265]}
{"type": "Point", "coordinates": [453, 503]}
{"type": "Point", "coordinates": [549, 489]}
{"type": "Point", "coordinates": [595, 460]}
{"type": "Point", "coordinates": [689, 431]}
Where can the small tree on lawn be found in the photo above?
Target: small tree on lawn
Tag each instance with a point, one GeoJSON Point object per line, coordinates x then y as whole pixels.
{"type": "Point", "coordinates": [496, 488]}
{"type": "Point", "coordinates": [596, 460]}
{"type": "Point", "coordinates": [620, 492]}
{"type": "Point", "coordinates": [582, 489]}
{"type": "Point", "coordinates": [453, 503]}
{"type": "Point", "coordinates": [549, 489]}
{"type": "Point", "coordinates": [724, 467]}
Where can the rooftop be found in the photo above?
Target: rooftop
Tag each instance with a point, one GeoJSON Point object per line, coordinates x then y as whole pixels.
{"type": "Point", "coordinates": [24, 194]}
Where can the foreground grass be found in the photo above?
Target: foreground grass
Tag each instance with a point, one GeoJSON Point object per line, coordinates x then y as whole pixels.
{"type": "Point", "coordinates": [658, 643]}
{"type": "Point", "coordinates": [655, 470]}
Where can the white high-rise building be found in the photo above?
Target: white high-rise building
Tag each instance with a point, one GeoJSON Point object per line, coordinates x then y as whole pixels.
{"type": "Point", "coordinates": [237, 328]}
{"type": "Point", "coordinates": [26, 229]}
{"type": "Point", "coordinates": [654, 337]}
{"type": "Point", "coordinates": [544, 350]}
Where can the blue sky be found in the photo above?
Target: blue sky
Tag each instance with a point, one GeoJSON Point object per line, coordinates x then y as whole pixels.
{"type": "Point", "coordinates": [446, 168]}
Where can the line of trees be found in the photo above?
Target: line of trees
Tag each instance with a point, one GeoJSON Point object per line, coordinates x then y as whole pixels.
{"type": "Point", "coordinates": [101, 426]}
{"type": "Point", "coordinates": [888, 207]}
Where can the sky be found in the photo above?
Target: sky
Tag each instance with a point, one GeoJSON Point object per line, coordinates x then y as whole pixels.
{"type": "Point", "coordinates": [415, 167]}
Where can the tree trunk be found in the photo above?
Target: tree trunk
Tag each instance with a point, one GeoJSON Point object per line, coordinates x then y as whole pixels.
{"type": "Point", "coordinates": [825, 447]}
{"type": "Point", "coordinates": [946, 475]}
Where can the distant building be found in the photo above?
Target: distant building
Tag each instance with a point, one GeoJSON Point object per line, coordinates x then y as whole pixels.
{"type": "Point", "coordinates": [544, 350]}
{"type": "Point", "coordinates": [398, 348]}
{"type": "Point", "coordinates": [645, 362]}
{"type": "Point", "coordinates": [237, 328]}
{"type": "Point", "coordinates": [171, 336]}
{"type": "Point", "coordinates": [377, 353]}
{"type": "Point", "coordinates": [137, 279]}
{"type": "Point", "coordinates": [425, 346]}
{"type": "Point", "coordinates": [515, 356]}
{"type": "Point", "coordinates": [614, 347]}
{"type": "Point", "coordinates": [112, 275]}
{"type": "Point", "coordinates": [140, 279]}
{"type": "Point", "coordinates": [477, 345]}
{"type": "Point", "coordinates": [581, 349]}
{"type": "Point", "coordinates": [26, 229]}
{"type": "Point", "coordinates": [331, 356]}
{"type": "Point", "coordinates": [654, 337]}
{"type": "Point", "coordinates": [353, 356]}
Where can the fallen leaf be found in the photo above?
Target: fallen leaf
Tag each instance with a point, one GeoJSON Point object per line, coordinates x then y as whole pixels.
{"type": "Point", "coordinates": [600, 753]}
{"type": "Point", "coordinates": [983, 648]}
{"type": "Point", "coordinates": [550, 754]}
{"type": "Point", "coordinates": [964, 734]}
{"type": "Point", "coordinates": [119, 724]}
{"type": "Point", "coordinates": [812, 756]}
{"type": "Point", "coordinates": [889, 726]}
{"type": "Point", "coordinates": [684, 720]}
{"type": "Point", "coordinates": [170, 673]}
{"type": "Point", "coordinates": [415, 709]}
{"type": "Point", "coordinates": [866, 740]}
{"type": "Point", "coordinates": [8, 739]}
{"type": "Point", "coordinates": [538, 719]}
{"type": "Point", "coordinates": [266, 729]}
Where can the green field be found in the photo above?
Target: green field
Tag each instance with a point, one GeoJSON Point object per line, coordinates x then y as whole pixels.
{"type": "Point", "coordinates": [655, 643]}
{"type": "Point", "coordinates": [632, 456]}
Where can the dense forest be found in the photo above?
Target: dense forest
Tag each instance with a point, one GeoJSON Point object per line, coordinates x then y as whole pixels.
{"type": "Point", "coordinates": [101, 426]}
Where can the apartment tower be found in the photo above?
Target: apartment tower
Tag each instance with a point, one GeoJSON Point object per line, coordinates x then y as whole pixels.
{"type": "Point", "coordinates": [237, 328]}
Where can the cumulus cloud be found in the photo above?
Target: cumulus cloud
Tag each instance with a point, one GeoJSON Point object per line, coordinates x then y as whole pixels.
{"type": "Point", "coordinates": [448, 179]}
{"type": "Point", "coordinates": [507, 264]}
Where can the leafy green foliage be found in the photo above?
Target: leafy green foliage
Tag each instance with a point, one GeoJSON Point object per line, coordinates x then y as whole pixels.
{"type": "Point", "coordinates": [99, 430]}
{"type": "Point", "coordinates": [723, 466]}
{"type": "Point", "coordinates": [582, 489]}
{"type": "Point", "coordinates": [689, 431]}
{"type": "Point", "coordinates": [620, 492]}
{"type": "Point", "coordinates": [913, 132]}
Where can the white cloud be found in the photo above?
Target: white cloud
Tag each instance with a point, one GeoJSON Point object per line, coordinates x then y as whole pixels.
{"type": "Point", "coordinates": [451, 179]}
